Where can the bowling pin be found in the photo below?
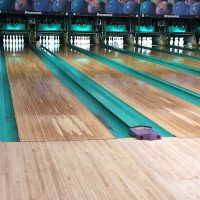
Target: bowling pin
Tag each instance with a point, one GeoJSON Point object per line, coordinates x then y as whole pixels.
{"type": "Point", "coordinates": [105, 41]}
{"type": "Point", "coordinates": [181, 42]}
{"type": "Point", "coordinates": [10, 39]}
{"type": "Point", "coordinates": [146, 42]}
{"type": "Point", "coordinates": [44, 40]}
{"type": "Point", "coordinates": [14, 39]}
{"type": "Point", "coordinates": [134, 41]}
{"type": "Point", "coordinates": [53, 40]}
{"type": "Point", "coordinates": [139, 40]}
{"type": "Point", "coordinates": [4, 41]}
{"type": "Point", "coordinates": [109, 40]}
{"type": "Point", "coordinates": [87, 40]}
{"type": "Point", "coordinates": [50, 40]}
{"type": "Point", "coordinates": [80, 41]}
{"type": "Point", "coordinates": [171, 41]}
{"type": "Point", "coordinates": [176, 41]}
{"type": "Point", "coordinates": [71, 41]}
{"type": "Point", "coordinates": [142, 40]}
{"type": "Point", "coordinates": [22, 39]}
{"type": "Point", "coordinates": [58, 40]}
{"type": "Point", "coordinates": [7, 39]}
{"type": "Point", "coordinates": [17, 40]}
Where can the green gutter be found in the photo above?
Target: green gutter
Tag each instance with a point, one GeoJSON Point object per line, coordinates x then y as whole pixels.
{"type": "Point", "coordinates": [128, 115]}
{"type": "Point", "coordinates": [8, 127]}
{"type": "Point", "coordinates": [171, 88]}
{"type": "Point", "coordinates": [184, 48]}
{"type": "Point", "coordinates": [164, 63]}
{"type": "Point", "coordinates": [117, 127]}
{"type": "Point", "coordinates": [170, 53]}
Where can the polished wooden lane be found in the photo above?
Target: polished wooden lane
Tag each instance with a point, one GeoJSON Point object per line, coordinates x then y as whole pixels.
{"type": "Point", "coordinates": [184, 51]}
{"type": "Point", "coordinates": [182, 79]}
{"type": "Point", "coordinates": [44, 109]}
{"type": "Point", "coordinates": [118, 169]}
{"type": "Point", "coordinates": [173, 58]}
{"type": "Point", "coordinates": [173, 114]}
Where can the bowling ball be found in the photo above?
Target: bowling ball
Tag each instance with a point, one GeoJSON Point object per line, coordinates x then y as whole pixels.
{"type": "Point", "coordinates": [61, 6]}
{"type": "Point", "coordinates": [163, 8]}
{"type": "Point", "coordinates": [21, 5]}
{"type": "Point", "coordinates": [148, 7]}
{"type": "Point", "coordinates": [88, 1]}
{"type": "Point", "coordinates": [125, 1]}
{"type": "Point", "coordinates": [94, 7]}
{"type": "Point", "coordinates": [181, 8]}
{"type": "Point", "coordinates": [195, 9]}
{"type": "Point", "coordinates": [189, 2]}
{"type": "Point", "coordinates": [114, 7]}
{"type": "Point", "coordinates": [142, 1]}
{"type": "Point", "coordinates": [137, 1]}
{"type": "Point", "coordinates": [79, 6]}
{"type": "Point", "coordinates": [5, 4]}
{"type": "Point", "coordinates": [131, 7]}
{"type": "Point", "coordinates": [42, 5]}
{"type": "Point", "coordinates": [156, 2]}
{"type": "Point", "coordinates": [171, 2]}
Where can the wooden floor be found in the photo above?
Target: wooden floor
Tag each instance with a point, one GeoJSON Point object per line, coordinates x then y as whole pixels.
{"type": "Point", "coordinates": [174, 76]}
{"type": "Point", "coordinates": [173, 58]}
{"type": "Point", "coordinates": [173, 114]}
{"type": "Point", "coordinates": [108, 169]}
{"type": "Point", "coordinates": [44, 109]}
{"type": "Point", "coordinates": [124, 169]}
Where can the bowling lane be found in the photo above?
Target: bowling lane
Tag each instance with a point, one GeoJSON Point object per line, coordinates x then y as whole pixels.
{"type": "Point", "coordinates": [45, 110]}
{"type": "Point", "coordinates": [180, 51]}
{"type": "Point", "coordinates": [175, 115]}
{"type": "Point", "coordinates": [180, 78]}
{"type": "Point", "coordinates": [165, 56]}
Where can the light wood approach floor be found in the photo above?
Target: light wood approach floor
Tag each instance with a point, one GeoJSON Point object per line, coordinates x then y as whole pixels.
{"type": "Point", "coordinates": [173, 58]}
{"type": "Point", "coordinates": [174, 76]}
{"type": "Point", "coordinates": [173, 114]}
{"type": "Point", "coordinates": [124, 169]}
{"type": "Point", "coordinates": [44, 109]}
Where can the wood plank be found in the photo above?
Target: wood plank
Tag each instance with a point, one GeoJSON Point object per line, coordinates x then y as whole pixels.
{"type": "Point", "coordinates": [173, 114]}
{"type": "Point", "coordinates": [109, 169]}
{"type": "Point", "coordinates": [182, 79]}
{"type": "Point", "coordinates": [45, 110]}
